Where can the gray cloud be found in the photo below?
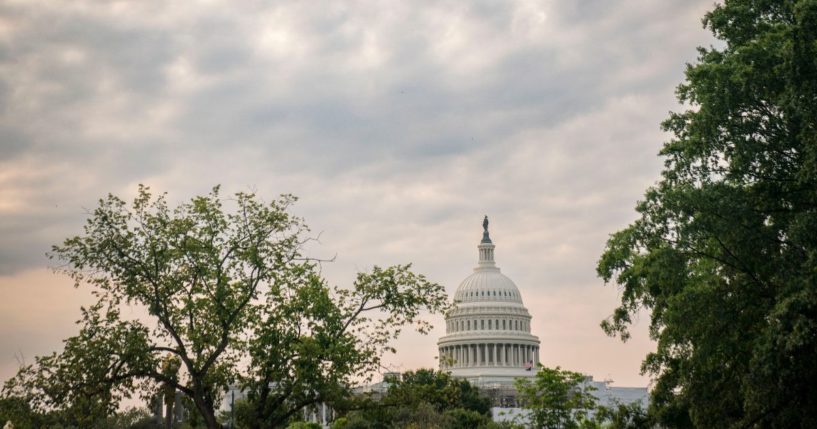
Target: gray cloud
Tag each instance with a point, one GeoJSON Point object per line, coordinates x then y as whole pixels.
{"type": "Point", "coordinates": [398, 124]}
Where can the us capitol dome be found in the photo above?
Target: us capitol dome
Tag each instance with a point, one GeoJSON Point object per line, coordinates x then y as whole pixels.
{"type": "Point", "coordinates": [488, 339]}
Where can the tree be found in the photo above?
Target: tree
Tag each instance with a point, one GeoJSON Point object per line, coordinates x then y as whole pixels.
{"type": "Point", "coordinates": [423, 398]}
{"type": "Point", "coordinates": [556, 398]}
{"type": "Point", "coordinates": [724, 254]}
{"type": "Point", "coordinates": [439, 389]}
{"type": "Point", "coordinates": [230, 296]}
{"type": "Point", "coordinates": [623, 416]}
{"type": "Point", "coordinates": [19, 413]}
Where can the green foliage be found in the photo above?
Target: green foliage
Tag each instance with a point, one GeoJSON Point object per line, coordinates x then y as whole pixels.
{"type": "Point", "coordinates": [231, 300]}
{"type": "Point", "coordinates": [555, 398]}
{"type": "Point", "coordinates": [724, 254]}
{"type": "Point", "coordinates": [424, 398]}
{"type": "Point", "coordinates": [303, 425]}
{"type": "Point", "coordinates": [22, 416]}
{"type": "Point", "coordinates": [19, 413]}
{"type": "Point", "coordinates": [624, 416]}
{"type": "Point", "coordinates": [439, 389]}
{"type": "Point", "coordinates": [132, 418]}
{"type": "Point", "coordinates": [461, 418]}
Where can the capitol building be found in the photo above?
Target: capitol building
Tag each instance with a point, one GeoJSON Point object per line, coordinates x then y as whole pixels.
{"type": "Point", "coordinates": [488, 339]}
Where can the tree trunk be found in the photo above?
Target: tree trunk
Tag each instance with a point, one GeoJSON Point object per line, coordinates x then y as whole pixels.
{"type": "Point", "coordinates": [170, 400]}
{"type": "Point", "coordinates": [207, 413]}
{"type": "Point", "coordinates": [169, 413]}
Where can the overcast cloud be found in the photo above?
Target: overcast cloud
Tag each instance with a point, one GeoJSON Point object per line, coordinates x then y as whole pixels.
{"type": "Point", "coordinates": [399, 125]}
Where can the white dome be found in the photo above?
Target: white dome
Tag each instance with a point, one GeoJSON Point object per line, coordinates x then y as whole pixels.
{"type": "Point", "coordinates": [488, 339]}
{"type": "Point", "coordinates": [487, 284]}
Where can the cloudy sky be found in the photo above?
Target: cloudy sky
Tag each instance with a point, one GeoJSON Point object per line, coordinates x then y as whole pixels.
{"type": "Point", "coordinates": [398, 124]}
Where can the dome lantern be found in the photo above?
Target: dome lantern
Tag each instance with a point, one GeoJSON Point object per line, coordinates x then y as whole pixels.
{"type": "Point", "coordinates": [486, 247]}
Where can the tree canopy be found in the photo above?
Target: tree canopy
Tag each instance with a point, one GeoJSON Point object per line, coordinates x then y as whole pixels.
{"type": "Point", "coordinates": [229, 299]}
{"type": "Point", "coordinates": [556, 399]}
{"type": "Point", "coordinates": [424, 398]}
{"type": "Point", "coordinates": [724, 253]}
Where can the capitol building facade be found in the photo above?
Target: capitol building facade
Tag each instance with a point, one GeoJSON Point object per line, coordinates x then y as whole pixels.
{"type": "Point", "coordinates": [488, 339]}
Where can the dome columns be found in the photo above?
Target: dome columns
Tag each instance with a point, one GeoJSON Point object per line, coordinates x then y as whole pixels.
{"type": "Point", "coordinates": [489, 353]}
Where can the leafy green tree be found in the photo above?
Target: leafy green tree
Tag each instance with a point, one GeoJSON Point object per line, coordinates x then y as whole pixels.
{"type": "Point", "coordinates": [724, 254]}
{"type": "Point", "coordinates": [303, 425]}
{"type": "Point", "coordinates": [229, 295]}
{"type": "Point", "coordinates": [423, 398]}
{"type": "Point", "coordinates": [438, 389]}
{"type": "Point", "coordinates": [463, 418]}
{"type": "Point", "coordinates": [132, 418]}
{"type": "Point", "coordinates": [556, 398]}
{"type": "Point", "coordinates": [17, 411]}
{"type": "Point", "coordinates": [624, 416]}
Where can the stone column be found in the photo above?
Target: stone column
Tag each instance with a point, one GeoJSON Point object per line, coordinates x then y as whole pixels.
{"type": "Point", "coordinates": [495, 348]}
{"type": "Point", "coordinates": [518, 354]}
{"type": "Point", "coordinates": [521, 355]}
